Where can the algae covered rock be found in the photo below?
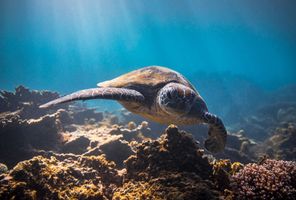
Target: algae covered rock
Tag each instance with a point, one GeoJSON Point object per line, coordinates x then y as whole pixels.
{"type": "Point", "coordinates": [27, 101]}
{"type": "Point", "coordinates": [175, 151]}
{"type": "Point", "coordinates": [76, 146]}
{"type": "Point", "coordinates": [117, 151]}
{"type": "Point", "coordinates": [183, 186]}
{"type": "Point", "coordinates": [172, 167]}
{"type": "Point", "coordinates": [20, 138]}
{"type": "Point", "coordinates": [60, 176]}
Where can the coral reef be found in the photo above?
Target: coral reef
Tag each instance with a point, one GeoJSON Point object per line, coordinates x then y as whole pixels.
{"type": "Point", "coordinates": [77, 146]}
{"type": "Point", "coordinates": [79, 153]}
{"type": "Point", "coordinates": [273, 129]}
{"type": "Point", "coordinates": [271, 179]}
{"type": "Point", "coordinates": [60, 176]}
{"type": "Point", "coordinates": [267, 118]}
{"type": "Point", "coordinates": [222, 171]}
{"type": "Point", "coordinates": [172, 167]}
{"type": "Point", "coordinates": [154, 128]}
{"type": "Point", "coordinates": [175, 151]}
{"type": "Point", "coordinates": [19, 138]}
{"type": "Point", "coordinates": [82, 115]}
{"type": "Point", "coordinates": [185, 186]}
{"type": "Point", "coordinates": [238, 148]}
{"type": "Point", "coordinates": [133, 132]}
{"type": "Point", "coordinates": [281, 145]}
{"type": "Point", "coordinates": [26, 102]}
{"type": "Point", "coordinates": [117, 151]}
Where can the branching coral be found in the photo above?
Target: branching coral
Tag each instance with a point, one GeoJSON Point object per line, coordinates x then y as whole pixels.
{"type": "Point", "coordinates": [271, 179]}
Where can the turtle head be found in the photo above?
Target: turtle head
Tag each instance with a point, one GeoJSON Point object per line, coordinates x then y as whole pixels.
{"type": "Point", "coordinates": [179, 100]}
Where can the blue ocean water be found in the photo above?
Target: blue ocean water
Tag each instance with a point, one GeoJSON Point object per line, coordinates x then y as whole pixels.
{"type": "Point", "coordinates": [67, 45]}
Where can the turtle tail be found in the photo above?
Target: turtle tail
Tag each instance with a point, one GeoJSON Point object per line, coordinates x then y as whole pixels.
{"type": "Point", "coordinates": [120, 94]}
{"type": "Point", "coordinates": [217, 133]}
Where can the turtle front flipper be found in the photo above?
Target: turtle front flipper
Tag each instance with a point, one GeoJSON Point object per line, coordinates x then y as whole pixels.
{"type": "Point", "coordinates": [120, 94]}
{"type": "Point", "coordinates": [217, 133]}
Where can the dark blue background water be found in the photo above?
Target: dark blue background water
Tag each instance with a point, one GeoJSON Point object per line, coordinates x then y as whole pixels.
{"type": "Point", "coordinates": [66, 45]}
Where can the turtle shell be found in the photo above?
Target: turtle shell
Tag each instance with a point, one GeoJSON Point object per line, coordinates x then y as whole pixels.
{"type": "Point", "coordinates": [148, 76]}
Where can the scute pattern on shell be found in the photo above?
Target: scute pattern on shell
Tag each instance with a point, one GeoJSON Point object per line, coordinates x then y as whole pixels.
{"type": "Point", "coordinates": [149, 76]}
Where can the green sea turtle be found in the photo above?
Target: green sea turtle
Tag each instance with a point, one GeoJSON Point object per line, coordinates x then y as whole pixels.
{"type": "Point", "coordinates": [159, 94]}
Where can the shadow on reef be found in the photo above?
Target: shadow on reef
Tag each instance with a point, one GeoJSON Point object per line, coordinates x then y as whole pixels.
{"type": "Point", "coordinates": [72, 152]}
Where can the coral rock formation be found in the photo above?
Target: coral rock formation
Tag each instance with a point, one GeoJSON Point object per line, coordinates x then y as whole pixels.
{"type": "Point", "coordinates": [117, 151]}
{"type": "Point", "coordinates": [26, 101]}
{"type": "Point", "coordinates": [19, 138]}
{"type": "Point", "coordinates": [170, 167]}
{"type": "Point", "coordinates": [60, 176]}
{"type": "Point", "coordinates": [77, 146]}
{"type": "Point", "coordinates": [280, 145]}
{"type": "Point", "coordinates": [185, 186]}
{"type": "Point", "coordinates": [174, 151]}
{"type": "Point", "coordinates": [238, 148]}
{"type": "Point", "coordinates": [103, 156]}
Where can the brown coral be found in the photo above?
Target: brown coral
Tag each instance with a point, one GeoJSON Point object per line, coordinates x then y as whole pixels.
{"type": "Point", "coordinates": [271, 179]}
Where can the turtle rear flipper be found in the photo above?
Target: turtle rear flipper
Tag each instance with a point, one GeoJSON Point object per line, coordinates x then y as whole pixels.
{"type": "Point", "coordinates": [120, 94]}
{"type": "Point", "coordinates": [217, 133]}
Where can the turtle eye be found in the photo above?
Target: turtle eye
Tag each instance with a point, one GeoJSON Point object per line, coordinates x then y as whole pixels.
{"type": "Point", "coordinates": [169, 95]}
